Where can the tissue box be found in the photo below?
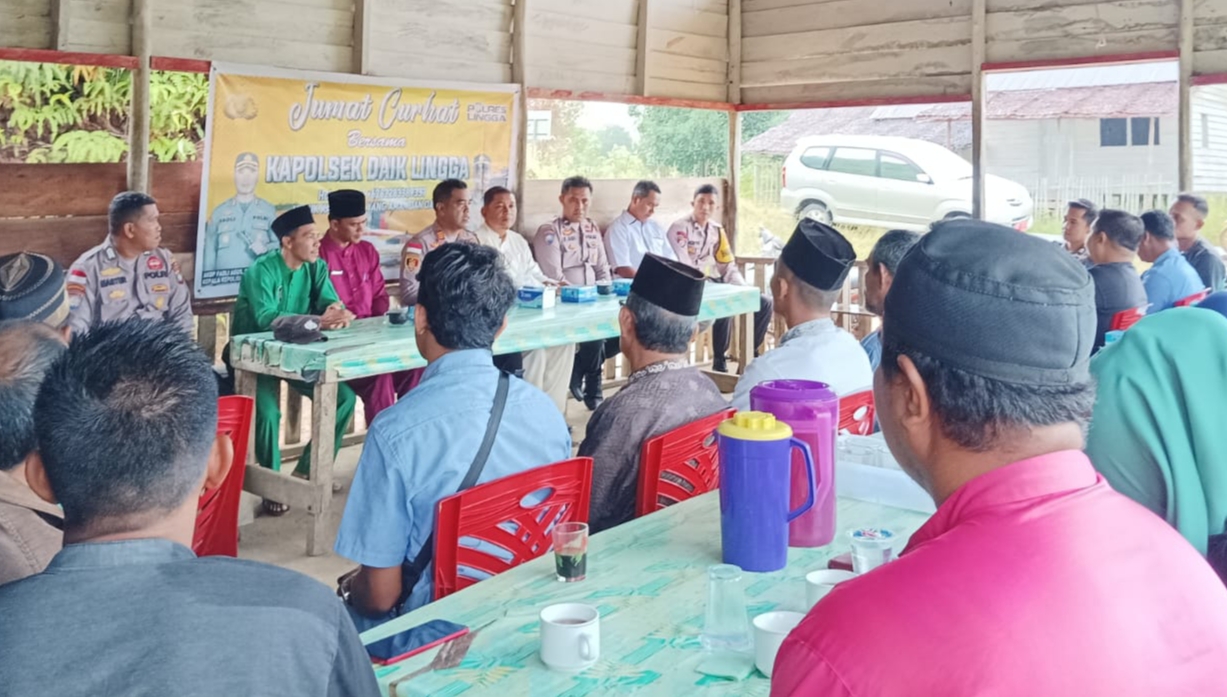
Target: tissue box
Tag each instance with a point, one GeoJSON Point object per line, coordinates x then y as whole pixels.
{"type": "Point", "coordinates": [622, 287]}
{"type": "Point", "coordinates": [535, 297]}
{"type": "Point", "coordinates": [579, 294]}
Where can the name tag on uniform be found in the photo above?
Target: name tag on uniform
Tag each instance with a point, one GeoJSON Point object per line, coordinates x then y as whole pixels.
{"type": "Point", "coordinates": [338, 273]}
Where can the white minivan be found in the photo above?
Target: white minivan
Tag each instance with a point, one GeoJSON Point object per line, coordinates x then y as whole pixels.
{"type": "Point", "coordinates": [884, 181]}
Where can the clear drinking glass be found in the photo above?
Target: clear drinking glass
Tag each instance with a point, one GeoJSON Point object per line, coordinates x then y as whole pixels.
{"type": "Point", "coordinates": [871, 548]}
{"type": "Point", "coordinates": [571, 551]}
{"type": "Point", "coordinates": [726, 624]}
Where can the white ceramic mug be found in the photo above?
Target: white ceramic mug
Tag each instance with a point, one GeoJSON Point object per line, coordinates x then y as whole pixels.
{"type": "Point", "coordinates": [770, 628]}
{"type": "Point", "coordinates": [819, 583]}
{"type": "Point", "coordinates": [570, 637]}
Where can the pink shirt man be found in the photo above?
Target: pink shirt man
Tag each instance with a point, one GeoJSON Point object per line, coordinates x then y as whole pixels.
{"type": "Point", "coordinates": [357, 276]}
{"type": "Point", "coordinates": [1033, 579]}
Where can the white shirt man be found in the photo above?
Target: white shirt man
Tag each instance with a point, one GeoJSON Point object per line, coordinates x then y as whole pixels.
{"type": "Point", "coordinates": [634, 233]}
{"type": "Point", "coordinates": [810, 272]}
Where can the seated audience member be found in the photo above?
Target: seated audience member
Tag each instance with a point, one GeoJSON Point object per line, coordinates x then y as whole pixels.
{"type": "Point", "coordinates": [32, 288]}
{"type": "Point", "coordinates": [882, 263]}
{"type": "Point", "coordinates": [129, 275]}
{"type": "Point", "coordinates": [293, 280]}
{"type": "Point", "coordinates": [549, 369]}
{"type": "Point", "coordinates": [1033, 577]}
{"type": "Point", "coordinates": [1079, 216]}
{"type": "Point", "coordinates": [1113, 246]}
{"type": "Point", "coordinates": [419, 451]}
{"type": "Point", "coordinates": [1157, 431]}
{"type": "Point", "coordinates": [1189, 213]}
{"type": "Point", "coordinates": [634, 233]}
{"type": "Point", "coordinates": [662, 392]}
{"type": "Point", "coordinates": [30, 528]}
{"type": "Point", "coordinates": [808, 277]}
{"type": "Point", "coordinates": [126, 446]}
{"type": "Point", "coordinates": [1171, 277]}
{"type": "Point", "coordinates": [699, 241]}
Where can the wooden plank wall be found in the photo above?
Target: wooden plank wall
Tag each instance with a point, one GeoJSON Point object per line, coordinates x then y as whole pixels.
{"type": "Point", "coordinates": [25, 23]}
{"type": "Point", "coordinates": [687, 52]}
{"type": "Point", "coordinates": [582, 45]}
{"type": "Point", "coordinates": [836, 50]}
{"type": "Point", "coordinates": [467, 40]}
{"type": "Point", "coordinates": [609, 198]}
{"type": "Point", "coordinates": [1210, 37]}
{"type": "Point", "coordinates": [1031, 30]}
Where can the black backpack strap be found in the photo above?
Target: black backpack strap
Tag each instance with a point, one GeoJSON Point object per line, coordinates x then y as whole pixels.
{"type": "Point", "coordinates": [411, 572]}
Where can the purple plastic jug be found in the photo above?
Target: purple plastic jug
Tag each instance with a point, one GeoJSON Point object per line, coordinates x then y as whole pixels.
{"type": "Point", "coordinates": [812, 410]}
{"type": "Point", "coordinates": [755, 469]}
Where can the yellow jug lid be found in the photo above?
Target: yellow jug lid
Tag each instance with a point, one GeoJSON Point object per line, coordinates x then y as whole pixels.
{"type": "Point", "coordinates": [755, 425]}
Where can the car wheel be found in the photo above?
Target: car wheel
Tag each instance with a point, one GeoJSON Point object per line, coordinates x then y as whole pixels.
{"type": "Point", "coordinates": [816, 210]}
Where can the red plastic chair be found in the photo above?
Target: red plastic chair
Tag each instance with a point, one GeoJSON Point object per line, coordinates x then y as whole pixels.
{"type": "Point", "coordinates": [217, 518]}
{"type": "Point", "coordinates": [1126, 318]}
{"type": "Point", "coordinates": [679, 465]}
{"type": "Point", "coordinates": [1193, 299]}
{"type": "Point", "coordinates": [856, 413]}
{"type": "Point", "coordinates": [511, 530]}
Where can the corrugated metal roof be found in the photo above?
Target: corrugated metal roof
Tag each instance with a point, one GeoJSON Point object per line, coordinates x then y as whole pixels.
{"type": "Point", "coordinates": [1088, 76]}
{"type": "Point", "coordinates": [954, 134]}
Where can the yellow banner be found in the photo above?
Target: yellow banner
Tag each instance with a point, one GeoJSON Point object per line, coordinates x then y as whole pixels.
{"type": "Point", "coordinates": [279, 142]}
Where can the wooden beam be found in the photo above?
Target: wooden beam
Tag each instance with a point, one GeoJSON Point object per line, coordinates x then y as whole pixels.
{"type": "Point", "coordinates": [734, 178]}
{"type": "Point", "coordinates": [1186, 95]}
{"type": "Point", "coordinates": [519, 73]}
{"type": "Point", "coordinates": [41, 55]}
{"type": "Point", "coordinates": [60, 14]}
{"type": "Point", "coordinates": [138, 122]}
{"type": "Point", "coordinates": [323, 435]}
{"type": "Point", "coordinates": [180, 65]}
{"type": "Point", "coordinates": [1144, 57]}
{"type": "Point", "coordinates": [979, 18]}
{"type": "Point", "coordinates": [363, 11]}
{"type": "Point", "coordinates": [641, 49]}
{"type": "Point", "coordinates": [734, 96]}
{"type": "Point", "coordinates": [588, 96]}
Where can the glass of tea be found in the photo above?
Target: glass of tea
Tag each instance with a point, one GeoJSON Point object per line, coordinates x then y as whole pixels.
{"type": "Point", "coordinates": [571, 551]}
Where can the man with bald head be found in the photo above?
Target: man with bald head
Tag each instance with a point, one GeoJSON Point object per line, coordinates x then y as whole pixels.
{"type": "Point", "coordinates": [30, 528]}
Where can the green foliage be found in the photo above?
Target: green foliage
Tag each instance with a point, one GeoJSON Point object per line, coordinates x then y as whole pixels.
{"type": "Point", "coordinates": [755, 122]}
{"type": "Point", "coordinates": [63, 113]}
{"type": "Point", "coordinates": [683, 142]}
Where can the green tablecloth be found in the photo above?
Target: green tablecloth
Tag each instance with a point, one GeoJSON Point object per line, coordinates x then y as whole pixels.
{"type": "Point", "coordinates": [648, 579]}
{"type": "Point", "coordinates": [374, 347]}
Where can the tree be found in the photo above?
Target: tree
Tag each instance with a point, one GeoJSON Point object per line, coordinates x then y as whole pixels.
{"type": "Point", "coordinates": [683, 142]}
{"type": "Point", "coordinates": [756, 122]}
{"type": "Point", "coordinates": [612, 137]}
{"type": "Point", "coordinates": [64, 113]}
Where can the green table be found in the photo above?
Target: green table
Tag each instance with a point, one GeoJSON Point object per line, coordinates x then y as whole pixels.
{"type": "Point", "coordinates": [375, 347]}
{"type": "Point", "coordinates": [648, 579]}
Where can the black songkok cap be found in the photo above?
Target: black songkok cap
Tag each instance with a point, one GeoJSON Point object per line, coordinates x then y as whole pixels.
{"type": "Point", "coordinates": [346, 203]}
{"type": "Point", "coordinates": [819, 255]}
{"type": "Point", "coordinates": [669, 285]}
{"type": "Point", "coordinates": [298, 329]}
{"type": "Point", "coordinates": [994, 303]}
{"type": "Point", "coordinates": [32, 287]}
{"type": "Point", "coordinates": [291, 220]}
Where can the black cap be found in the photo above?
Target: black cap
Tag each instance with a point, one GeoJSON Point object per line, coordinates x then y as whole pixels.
{"type": "Point", "coordinates": [32, 287]}
{"type": "Point", "coordinates": [291, 220]}
{"type": "Point", "coordinates": [819, 255]}
{"type": "Point", "coordinates": [298, 329]}
{"type": "Point", "coordinates": [346, 203]}
{"type": "Point", "coordinates": [986, 300]}
{"type": "Point", "coordinates": [670, 285]}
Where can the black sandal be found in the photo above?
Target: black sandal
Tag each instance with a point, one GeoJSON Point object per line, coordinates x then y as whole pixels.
{"type": "Point", "coordinates": [274, 509]}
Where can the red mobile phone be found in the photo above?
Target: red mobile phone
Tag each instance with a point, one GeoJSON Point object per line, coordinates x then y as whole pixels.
{"type": "Point", "coordinates": [843, 561]}
{"type": "Point", "coordinates": [413, 641]}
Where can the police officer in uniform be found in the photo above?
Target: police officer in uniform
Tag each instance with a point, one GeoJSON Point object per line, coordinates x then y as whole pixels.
{"type": "Point", "coordinates": [570, 249]}
{"type": "Point", "coordinates": [700, 242]}
{"type": "Point", "coordinates": [240, 228]}
{"type": "Point", "coordinates": [128, 274]}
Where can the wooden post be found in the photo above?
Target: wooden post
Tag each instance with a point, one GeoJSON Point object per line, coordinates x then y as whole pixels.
{"type": "Point", "coordinates": [60, 14]}
{"type": "Point", "coordinates": [734, 170]}
{"type": "Point", "coordinates": [323, 436]}
{"type": "Point", "coordinates": [138, 122]}
{"type": "Point", "coordinates": [641, 50]}
{"type": "Point", "coordinates": [1186, 95]}
{"type": "Point", "coordinates": [206, 335]}
{"type": "Point", "coordinates": [519, 72]}
{"type": "Point", "coordinates": [293, 418]}
{"type": "Point", "coordinates": [979, 14]}
{"type": "Point", "coordinates": [363, 9]}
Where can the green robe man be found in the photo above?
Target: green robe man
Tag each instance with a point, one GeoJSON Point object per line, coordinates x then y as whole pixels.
{"type": "Point", "coordinates": [292, 280]}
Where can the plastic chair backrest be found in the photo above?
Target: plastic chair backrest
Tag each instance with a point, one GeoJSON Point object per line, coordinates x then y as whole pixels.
{"type": "Point", "coordinates": [217, 518]}
{"type": "Point", "coordinates": [492, 527]}
{"type": "Point", "coordinates": [1127, 318]}
{"type": "Point", "coordinates": [680, 464]}
{"type": "Point", "coordinates": [856, 413]}
{"type": "Point", "coordinates": [1194, 298]}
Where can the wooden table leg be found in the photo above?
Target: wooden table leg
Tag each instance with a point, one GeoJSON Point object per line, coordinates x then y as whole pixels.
{"type": "Point", "coordinates": [245, 385]}
{"type": "Point", "coordinates": [323, 435]}
{"type": "Point", "coordinates": [746, 341]}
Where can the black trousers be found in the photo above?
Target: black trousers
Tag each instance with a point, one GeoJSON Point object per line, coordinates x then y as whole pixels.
{"type": "Point", "coordinates": [510, 363]}
{"type": "Point", "coordinates": [589, 360]}
{"type": "Point", "coordinates": [722, 331]}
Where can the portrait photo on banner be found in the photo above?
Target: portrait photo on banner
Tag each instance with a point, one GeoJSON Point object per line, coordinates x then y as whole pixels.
{"type": "Point", "coordinates": [276, 139]}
